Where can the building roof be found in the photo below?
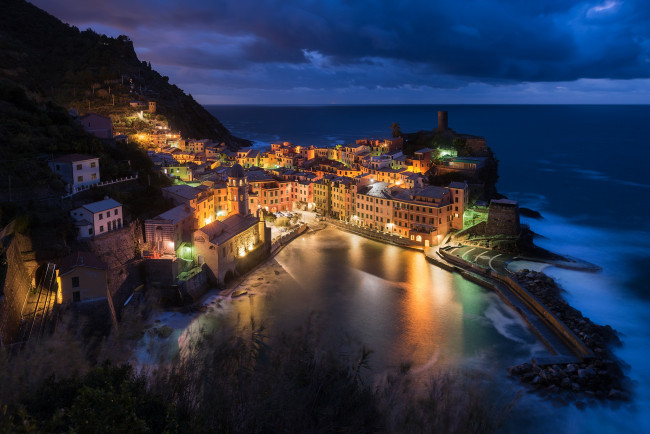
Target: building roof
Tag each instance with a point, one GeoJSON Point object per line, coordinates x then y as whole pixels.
{"type": "Point", "coordinates": [253, 153]}
{"type": "Point", "coordinates": [183, 190]}
{"type": "Point", "coordinates": [95, 115]}
{"type": "Point", "coordinates": [236, 171]}
{"type": "Point", "coordinates": [423, 150]}
{"type": "Point", "coordinates": [474, 160]}
{"type": "Point", "coordinates": [259, 175]}
{"type": "Point", "coordinates": [508, 202]}
{"type": "Point", "coordinates": [389, 170]}
{"type": "Point", "coordinates": [218, 232]}
{"type": "Point", "coordinates": [456, 184]}
{"type": "Point", "coordinates": [378, 189]}
{"type": "Point", "coordinates": [73, 158]}
{"type": "Point", "coordinates": [80, 259]}
{"type": "Point", "coordinates": [176, 214]}
{"type": "Point", "coordinates": [101, 205]}
{"type": "Point", "coordinates": [432, 191]}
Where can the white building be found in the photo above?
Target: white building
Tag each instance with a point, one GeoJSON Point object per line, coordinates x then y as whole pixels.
{"type": "Point", "coordinates": [98, 218]}
{"type": "Point", "coordinates": [77, 170]}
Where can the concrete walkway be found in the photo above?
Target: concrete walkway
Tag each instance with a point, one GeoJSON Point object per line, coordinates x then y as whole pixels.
{"type": "Point", "coordinates": [372, 234]}
{"type": "Point", "coordinates": [561, 351]}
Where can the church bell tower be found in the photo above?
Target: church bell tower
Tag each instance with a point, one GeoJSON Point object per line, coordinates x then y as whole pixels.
{"type": "Point", "coordinates": [237, 191]}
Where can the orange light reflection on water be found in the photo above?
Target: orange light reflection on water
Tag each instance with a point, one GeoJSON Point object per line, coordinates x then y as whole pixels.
{"type": "Point", "coordinates": [431, 314]}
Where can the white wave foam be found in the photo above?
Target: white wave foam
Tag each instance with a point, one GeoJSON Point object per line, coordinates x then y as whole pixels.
{"type": "Point", "coordinates": [507, 323]}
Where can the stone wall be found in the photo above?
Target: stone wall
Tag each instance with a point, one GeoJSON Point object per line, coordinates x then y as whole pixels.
{"type": "Point", "coordinates": [15, 288]}
{"type": "Point", "coordinates": [118, 250]}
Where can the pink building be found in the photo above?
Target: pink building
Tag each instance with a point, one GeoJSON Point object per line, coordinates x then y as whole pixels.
{"type": "Point", "coordinates": [97, 125]}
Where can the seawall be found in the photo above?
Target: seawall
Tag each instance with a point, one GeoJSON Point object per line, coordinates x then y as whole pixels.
{"type": "Point", "coordinates": [542, 321]}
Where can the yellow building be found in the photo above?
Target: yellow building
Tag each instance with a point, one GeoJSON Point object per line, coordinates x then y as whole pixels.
{"type": "Point", "coordinates": [81, 277]}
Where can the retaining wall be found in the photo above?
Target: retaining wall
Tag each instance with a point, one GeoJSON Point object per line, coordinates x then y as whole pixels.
{"type": "Point", "coordinates": [556, 326]}
{"type": "Point", "coordinates": [118, 250]}
{"type": "Point", "coordinates": [15, 288]}
{"type": "Point", "coordinates": [286, 239]}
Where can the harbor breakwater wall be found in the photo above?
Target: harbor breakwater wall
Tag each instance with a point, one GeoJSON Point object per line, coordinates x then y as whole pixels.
{"type": "Point", "coordinates": [556, 326]}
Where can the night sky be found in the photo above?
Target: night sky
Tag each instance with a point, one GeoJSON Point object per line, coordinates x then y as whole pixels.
{"type": "Point", "coordinates": [369, 51]}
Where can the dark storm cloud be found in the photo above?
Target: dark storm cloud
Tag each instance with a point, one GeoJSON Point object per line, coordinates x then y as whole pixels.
{"type": "Point", "coordinates": [393, 43]}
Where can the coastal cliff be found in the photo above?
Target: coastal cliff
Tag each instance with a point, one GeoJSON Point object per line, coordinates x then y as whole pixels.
{"type": "Point", "coordinates": [56, 63]}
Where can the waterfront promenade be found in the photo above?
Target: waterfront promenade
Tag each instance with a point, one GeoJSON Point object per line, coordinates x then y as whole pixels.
{"type": "Point", "coordinates": [372, 234]}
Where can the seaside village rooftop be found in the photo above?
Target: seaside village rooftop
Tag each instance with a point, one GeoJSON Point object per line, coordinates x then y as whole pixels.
{"type": "Point", "coordinates": [220, 200]}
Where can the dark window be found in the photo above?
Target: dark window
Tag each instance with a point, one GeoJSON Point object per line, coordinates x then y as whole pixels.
{"type": "Point", "coordinates": [76, 296]}
{"type": "Point", "coordinates": [75, 282]}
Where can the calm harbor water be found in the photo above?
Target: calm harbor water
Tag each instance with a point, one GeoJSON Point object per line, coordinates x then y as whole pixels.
{"type": "Point", "coordinates": [392, 301]}
{"type": "Point", "coordinates": [583, 167]}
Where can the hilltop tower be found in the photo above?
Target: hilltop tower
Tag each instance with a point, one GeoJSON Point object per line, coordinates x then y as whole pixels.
{"type": "Point", "coordinates": [237, 191]}
{"type": "Point", "coordinates": [442, 122]}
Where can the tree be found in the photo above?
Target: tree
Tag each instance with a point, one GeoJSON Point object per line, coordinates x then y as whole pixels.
{"type": "Point", "coordinates": [460, 144]}
{"type": "Point", "coordinates": [397, 132]}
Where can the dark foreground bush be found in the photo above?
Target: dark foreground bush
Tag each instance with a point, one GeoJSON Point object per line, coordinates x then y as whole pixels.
{"type": "Point", "coordinates": [107, 399]}
{"type": "Point", "coordinates": [241, 381]}
{"type": "Point", "coordinates": [235, 382]}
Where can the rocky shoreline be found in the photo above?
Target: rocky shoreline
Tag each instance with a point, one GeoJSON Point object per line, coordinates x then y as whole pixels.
{"type": "Point", "coordinates": [599, 377]}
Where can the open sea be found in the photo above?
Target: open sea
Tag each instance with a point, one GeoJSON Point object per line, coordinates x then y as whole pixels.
{"type": "Point", "coordinates": [585, 168]}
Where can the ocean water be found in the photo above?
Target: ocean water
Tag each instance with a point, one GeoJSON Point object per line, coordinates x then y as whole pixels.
{"type": "Point", "coordinates": [585, 168]}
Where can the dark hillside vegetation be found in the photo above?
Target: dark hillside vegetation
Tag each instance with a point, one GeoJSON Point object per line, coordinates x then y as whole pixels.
{"type": "Point", "coordinates": [53, 61]}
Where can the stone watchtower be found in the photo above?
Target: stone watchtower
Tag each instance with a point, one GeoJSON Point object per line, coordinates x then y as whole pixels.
{"type": "Point", "coordinates": [237, 191]}
{"type": "Point", "coordinates": [443, 124]}
{"type": "Point", "coordinates": [503, 218]}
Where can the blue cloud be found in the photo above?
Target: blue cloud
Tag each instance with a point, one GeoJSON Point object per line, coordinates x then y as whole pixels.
{"type": "Point", "coordinates": [369, 45]}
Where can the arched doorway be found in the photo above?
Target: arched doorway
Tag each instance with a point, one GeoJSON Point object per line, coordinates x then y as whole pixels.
{"type": "Point", "coordinates": [228, 277]}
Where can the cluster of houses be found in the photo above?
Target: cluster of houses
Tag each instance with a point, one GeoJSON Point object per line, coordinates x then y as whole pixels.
{"type": "Point", "coordinates": [219, 197]}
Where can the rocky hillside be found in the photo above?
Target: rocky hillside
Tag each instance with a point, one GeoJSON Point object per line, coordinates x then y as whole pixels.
{"type": "Point", "coordinates": [53, 61]}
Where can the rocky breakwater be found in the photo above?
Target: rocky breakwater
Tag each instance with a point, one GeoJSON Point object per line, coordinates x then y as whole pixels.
{"type": "Point", "coordinates": [599, 377]}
